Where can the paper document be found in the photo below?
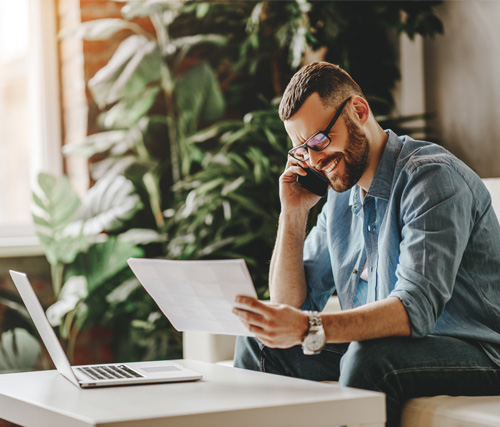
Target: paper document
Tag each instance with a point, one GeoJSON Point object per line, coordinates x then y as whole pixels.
{"type": "Point", "coordinates": [197, 295]}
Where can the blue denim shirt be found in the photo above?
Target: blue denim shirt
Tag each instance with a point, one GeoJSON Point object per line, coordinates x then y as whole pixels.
{"type": "Point", "coordinates": [429, 235]}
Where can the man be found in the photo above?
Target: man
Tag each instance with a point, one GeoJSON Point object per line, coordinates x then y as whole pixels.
{"type": "Point", "coordinates": [408, 239]}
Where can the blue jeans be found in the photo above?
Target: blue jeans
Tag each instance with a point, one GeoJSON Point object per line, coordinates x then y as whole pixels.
{"type": "Point", "coordinates": [402, 368]}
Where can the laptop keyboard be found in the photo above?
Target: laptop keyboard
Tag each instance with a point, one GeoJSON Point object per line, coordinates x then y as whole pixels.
{"type": "Point", "coordinates": [108, 372]}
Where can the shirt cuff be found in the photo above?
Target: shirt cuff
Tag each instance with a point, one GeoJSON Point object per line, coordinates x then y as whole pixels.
{"type": "Point", "coordinates": [423, 308]}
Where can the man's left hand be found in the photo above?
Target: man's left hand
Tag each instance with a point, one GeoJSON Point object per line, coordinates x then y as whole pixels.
{"type": "Point", "coordinates": [275, 325]}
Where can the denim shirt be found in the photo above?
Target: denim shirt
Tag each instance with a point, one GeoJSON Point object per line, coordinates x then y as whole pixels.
{"type": "Point", "coordinates": [428, 234]}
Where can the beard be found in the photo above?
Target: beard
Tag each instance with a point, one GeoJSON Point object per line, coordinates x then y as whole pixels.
{"type": "Point", "coordinates": [355, 155]}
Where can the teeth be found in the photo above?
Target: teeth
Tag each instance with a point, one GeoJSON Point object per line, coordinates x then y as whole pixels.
{"type": "Point", "coordinates": [332, 166]}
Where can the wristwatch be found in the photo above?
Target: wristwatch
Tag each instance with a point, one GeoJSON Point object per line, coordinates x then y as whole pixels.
{"type": "Point", "coordinates": [314, 341]}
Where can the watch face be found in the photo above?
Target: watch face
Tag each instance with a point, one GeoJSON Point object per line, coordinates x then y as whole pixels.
{"type": "Point", "coordinates": [315, 342]}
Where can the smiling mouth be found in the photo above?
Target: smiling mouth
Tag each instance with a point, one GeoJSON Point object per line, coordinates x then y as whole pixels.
{"type": "Point", "coordinates": [332, 165]}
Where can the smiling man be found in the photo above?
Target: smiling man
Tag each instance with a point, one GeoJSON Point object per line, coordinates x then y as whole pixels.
{"type": "Point", "coordinates": [407, 237]}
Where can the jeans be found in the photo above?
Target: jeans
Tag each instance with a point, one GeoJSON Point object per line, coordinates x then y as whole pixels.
{"type": "Point", "coordinates": [402, 368]}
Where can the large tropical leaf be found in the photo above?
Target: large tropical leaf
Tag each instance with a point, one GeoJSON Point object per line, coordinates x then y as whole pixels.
{"type": "Point", "coordinates": [185, 44]}
{"type": "Point", "coordinates": [19, 351]}
{"type": "Point", "coordinates": [106, 207]}
{"type": "Point", "coordinates": [199, 97]}
{"type": "Point", "coordinates": [72, 293]}
{"type": "Point", "coordinates": [101, 29]}
{"type": "Point", "coordinates": [14, 314]}
{"type": "Point", "coordinates": [96, 143]}
{"type": "Point", "coordinates": [104, 260]}
{"type": "Point", "coordinates": [128, 111]}
{"type": "Point", "coordinates": [135, 64]}
{"type": "Point", "coordinates": [13, 302]}
{"type": "Point", "coordinates": [112, 166]}
{"type": "Point", "coordinates": [56, 204]}
{"type": "Point", "coordinates": [146, 8]}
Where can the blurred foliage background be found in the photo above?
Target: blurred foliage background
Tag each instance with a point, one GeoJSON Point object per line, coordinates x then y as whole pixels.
{"type": "Point", "coordinates": [190, 147]}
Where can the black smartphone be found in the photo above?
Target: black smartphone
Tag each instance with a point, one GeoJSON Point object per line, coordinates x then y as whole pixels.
{"type": "Point", "coordinates": [313, 182]}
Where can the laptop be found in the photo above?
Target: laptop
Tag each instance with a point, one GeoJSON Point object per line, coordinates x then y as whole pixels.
{"type": "Point", "coordinates": [89, 376]}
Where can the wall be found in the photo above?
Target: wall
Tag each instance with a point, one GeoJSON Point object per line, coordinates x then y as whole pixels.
{"type": "Point", "coordinates": [462, 75]}
{"type": "Point", "coordinates": [79, 60]}
{"type": "Point", "coordinates": [38, 270]}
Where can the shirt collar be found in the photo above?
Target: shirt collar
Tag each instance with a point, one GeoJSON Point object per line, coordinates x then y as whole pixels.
{"type": "Point", "coordinates": [382, 181]}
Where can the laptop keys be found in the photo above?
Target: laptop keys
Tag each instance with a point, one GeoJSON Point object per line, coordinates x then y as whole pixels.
{"type": "Point", "coordinates": [108, 372]}
{"type": "Point", "coordinates": [130, 371]}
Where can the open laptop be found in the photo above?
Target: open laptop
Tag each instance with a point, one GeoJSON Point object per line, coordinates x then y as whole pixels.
{"type": "Point", "coordinates": [87, 376]}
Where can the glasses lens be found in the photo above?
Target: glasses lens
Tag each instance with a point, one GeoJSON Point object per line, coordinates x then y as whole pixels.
{"type": "Point", "coordinates": [300, 153]}
{"type": "Point", "coordinates": [318, 141]}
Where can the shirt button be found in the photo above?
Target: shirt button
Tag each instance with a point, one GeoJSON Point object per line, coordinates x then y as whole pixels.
{"type": "Point", "coordinates": [369, 228]}
{"type": "Point", "coordinates": [354, 271]}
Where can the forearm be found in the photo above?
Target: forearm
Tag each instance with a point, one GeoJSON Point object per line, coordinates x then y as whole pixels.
{"type": "Point", "coordinates": [380, 319]}
{"type": "Point", "coordinates": [282, 326]}
{"type": "Point", "coordinates": [287, 282]}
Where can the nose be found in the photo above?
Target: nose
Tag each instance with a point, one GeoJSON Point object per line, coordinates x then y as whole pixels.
{"type": "Point", "coordinates": [315, 158]}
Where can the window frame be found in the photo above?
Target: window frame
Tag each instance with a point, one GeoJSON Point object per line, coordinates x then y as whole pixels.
{"type": "Point", "coordinates": [45, 112]}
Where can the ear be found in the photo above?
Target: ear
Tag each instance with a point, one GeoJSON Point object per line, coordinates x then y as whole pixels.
{"type": "Point", "coordinates": [361, 109]}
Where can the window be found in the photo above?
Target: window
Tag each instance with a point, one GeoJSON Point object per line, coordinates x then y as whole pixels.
{"type": "Point", "coordinates": [29, 116]}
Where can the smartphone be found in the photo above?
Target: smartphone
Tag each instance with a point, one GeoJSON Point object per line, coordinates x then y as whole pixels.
{"type": "Point", "coordinates": [313, 182]}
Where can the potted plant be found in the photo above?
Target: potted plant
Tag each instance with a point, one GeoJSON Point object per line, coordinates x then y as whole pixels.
{"type": "Point", "coordinates": [190, 148]}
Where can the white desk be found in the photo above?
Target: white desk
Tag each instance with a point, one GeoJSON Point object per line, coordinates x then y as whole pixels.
{"type": "Point", "coordinates": [225, 397]}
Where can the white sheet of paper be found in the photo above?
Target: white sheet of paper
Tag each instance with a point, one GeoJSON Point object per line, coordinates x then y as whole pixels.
{"type": "Point", "coordinates": [197, 295]}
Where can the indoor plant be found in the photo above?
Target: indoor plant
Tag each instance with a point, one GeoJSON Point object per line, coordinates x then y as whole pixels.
{"type": "Point", "coordinates": [191, 191]}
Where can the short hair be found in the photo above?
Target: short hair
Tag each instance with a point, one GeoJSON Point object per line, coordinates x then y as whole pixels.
{"type": "Point", "coordinates": [329, 81]}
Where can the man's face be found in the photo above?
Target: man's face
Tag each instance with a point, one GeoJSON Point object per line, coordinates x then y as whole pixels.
{"type": "Point", "coordinates": [354, 157]}
{"type": "Point", "coordinates": [345, 160]}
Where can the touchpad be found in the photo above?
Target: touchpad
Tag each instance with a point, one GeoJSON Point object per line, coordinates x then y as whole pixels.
{"type": "Point", "coordinates": [165, 368]}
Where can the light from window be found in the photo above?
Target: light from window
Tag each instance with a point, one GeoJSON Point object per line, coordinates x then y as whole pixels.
{"type": "Point", "coordinates": [29, 120]}
{"type": "Point", "coordinates": [14, 113]}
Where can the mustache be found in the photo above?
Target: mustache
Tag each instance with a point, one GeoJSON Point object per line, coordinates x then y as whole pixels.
{"type": "Point", "coordinates": [327, 160]}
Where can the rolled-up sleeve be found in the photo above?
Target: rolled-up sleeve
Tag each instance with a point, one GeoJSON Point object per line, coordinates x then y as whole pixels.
{"type": "Point", "coordinates": [435, 223]}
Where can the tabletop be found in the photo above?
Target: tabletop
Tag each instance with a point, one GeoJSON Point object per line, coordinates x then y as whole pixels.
{"type": "Point", "coordinates": [225, 396]}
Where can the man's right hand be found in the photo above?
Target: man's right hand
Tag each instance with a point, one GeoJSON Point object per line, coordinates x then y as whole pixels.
{"type": "Point", "coordinates": [292, 195]}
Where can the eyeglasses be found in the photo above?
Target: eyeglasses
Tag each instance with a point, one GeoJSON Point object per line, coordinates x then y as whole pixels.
{"type": "Point", "coordinates": [319, 141]}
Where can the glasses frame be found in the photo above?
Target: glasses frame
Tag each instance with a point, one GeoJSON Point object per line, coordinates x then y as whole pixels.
{"type": "Point", "coordinates": [324, 132]}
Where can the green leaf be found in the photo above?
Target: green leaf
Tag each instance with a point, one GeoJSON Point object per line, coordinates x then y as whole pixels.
{"type": "Point", "coordinates": [72, 293]}
{"type": "Point", "coordinates": [127, 112]}
{"type": "Point", "coordinates": [135, 65]}
{"type": "Point", "coordinates": [19, 351]}
{"type": "Point", "coordinates": [95, 144]}
{"type": "Point", "coordinates": [184, 44]}
{"type": "Point", "coordinates": [65, 249]}
{"type": "Point", "coordinates": [146, 8]}
{"type": "Point", "coordinates": [100, 29]}
{"type": "Point", "coordinates": [112, 166]}
{"type": "Point", "coordinates": [199, 97]}
{"type": "Point", "coordinates": [142, 236]}
{"type": "Point", "coordinates": [202, 10]}
{"type": "Point", "coordinates": [56, 204]}
{"type": "Point", "coordinates": [103, 261]}
{"type": "Point", "coordinates": [12, 301]}
{"type": "Point", "coordinates": [249, 204]}
{"type": "Point", "coordinates": [232, 186]}
{"type": "Point", "coordinates": [106, 207]}
{"type": "Point", "coordinates": [298, 47]}
{"type": "Point", "coordinates": [122, 292]}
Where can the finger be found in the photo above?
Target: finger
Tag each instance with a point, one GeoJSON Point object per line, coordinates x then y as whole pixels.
{"type": "Point", "coordinates": [253, 305]}
{"type": "Point", "coordinates": [267, 342]}
{"type": "Point", "coordinates": [304, 165]}
{"type": "Point", "coordinates": [250, 318]}
{"type": "Point", "coordinates": [259, 333]}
